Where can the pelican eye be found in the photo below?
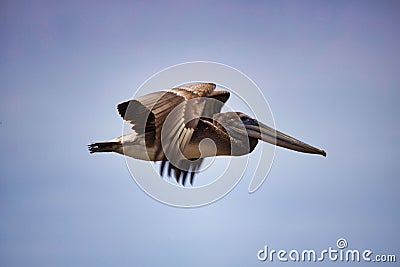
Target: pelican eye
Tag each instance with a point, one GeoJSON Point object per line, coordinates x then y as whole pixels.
{"type": "Point", "coordinates": [246, 119]}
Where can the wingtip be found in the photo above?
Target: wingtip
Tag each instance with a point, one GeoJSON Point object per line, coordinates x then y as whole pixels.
{"type": "Point", "coordinates": [122, 107]}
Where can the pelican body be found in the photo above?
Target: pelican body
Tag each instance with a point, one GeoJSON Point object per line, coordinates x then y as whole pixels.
{"type": "Point", "coordinates": [170, 126]}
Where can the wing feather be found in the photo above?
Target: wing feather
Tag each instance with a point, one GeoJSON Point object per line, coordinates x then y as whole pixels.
{"type": "Point", "coordinates": [183, 106]}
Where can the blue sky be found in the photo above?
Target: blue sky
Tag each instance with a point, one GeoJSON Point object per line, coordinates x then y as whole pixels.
{"type": "Point", "coordinates": [329, 71]}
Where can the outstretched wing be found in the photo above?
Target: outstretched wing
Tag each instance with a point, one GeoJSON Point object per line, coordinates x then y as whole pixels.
{"type": "Point", "coordinates": [173, 116]}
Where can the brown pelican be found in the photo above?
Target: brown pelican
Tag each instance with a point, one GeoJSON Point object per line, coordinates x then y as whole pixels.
{"type": "Point", "coordinates": [172, 122]}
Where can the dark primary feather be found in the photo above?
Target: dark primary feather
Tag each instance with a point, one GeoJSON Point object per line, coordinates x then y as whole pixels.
{"type": "Point", "coordinates": [179, 174]}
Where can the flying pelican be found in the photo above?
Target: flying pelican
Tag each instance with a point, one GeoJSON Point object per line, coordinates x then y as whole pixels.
{"type": "Point", "coordinates": [170, 125]}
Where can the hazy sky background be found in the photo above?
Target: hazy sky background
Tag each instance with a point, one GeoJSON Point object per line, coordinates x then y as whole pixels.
{"type": "Point", "coordinates": [330, 71]}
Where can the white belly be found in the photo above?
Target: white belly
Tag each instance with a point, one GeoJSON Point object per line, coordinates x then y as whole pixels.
{"type": "Point", "coordinates": [135, 148]}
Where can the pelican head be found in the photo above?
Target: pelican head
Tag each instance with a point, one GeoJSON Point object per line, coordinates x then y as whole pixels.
{"type": "Point", "coordinates": [239, 125]}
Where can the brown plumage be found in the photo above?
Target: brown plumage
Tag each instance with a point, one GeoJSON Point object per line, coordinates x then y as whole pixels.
{"type": "Point", "coordinates": [169, 126]}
